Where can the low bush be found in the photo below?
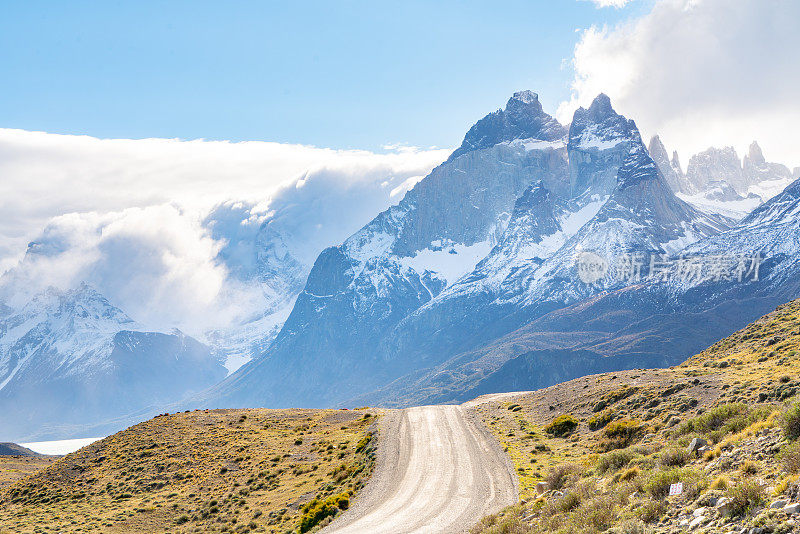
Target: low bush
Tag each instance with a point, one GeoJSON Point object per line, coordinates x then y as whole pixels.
{"type": "Point", "coordinates": [620, 434]}
{"type": "Point", "coordinates": [791, 457]}
{"type": "Point", "coordinates": [319, 509]}
{"type": "Point", "coordinates": [674, 457]}
{"type": "Point", "coordinates": [630, 474]}
{"type": "Point", "coordinates": [614, 460]}
{"type": "Point", "coordinates": [595, 514]}
{"type": "Point", "coordinates": [720, 483]}
{"type": "Point", "coordinates": [600, 420]}
{"type": "Point", "coordinates": [745, 496]}
{"type": "Point", "coordinates": [652, 511]}
{"type": "Point", "coordinates": [790, 421]}
{"type": "Point", "coordinates": [362, 444]}
{"type": "Point", "coordinates": [725, 419]}
{"type": "Point", "coordinates": [562, 474]}
{"type": "Point", "coordinates": [658, 483]}
{"type": "Point", "coordinates": [748, 467]}
{"type": "Point", "coordinates": [561, 425]}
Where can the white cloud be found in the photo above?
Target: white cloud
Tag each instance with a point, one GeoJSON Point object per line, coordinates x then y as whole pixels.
{"type": "Point", "coordinates": [158, 225]}
{"type": "Point", "coordinates": [700, 73]}
{"type": "Point", "coordinates": [610, 3]}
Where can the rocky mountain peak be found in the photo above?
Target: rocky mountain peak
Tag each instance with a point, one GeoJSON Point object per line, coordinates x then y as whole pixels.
{"type": "Point", "coordinates": [601, 106]}
{"type": "Point", "coordinates": [715, 164]}
{"type": "Point", "coordinates": [599, 141]}
{"type": "Point", "coordinates": [657, 149]}
{"type": "Point", "coordinates": [676, 162]}
{"type": "Point", "coordinates": [755, 155]}
{"type": "Point", "coordinates": [522, 118]}
{"type": "Point", "coordinates": [524, 97]}
{"type": "Point", "coordinates": [659, 154]}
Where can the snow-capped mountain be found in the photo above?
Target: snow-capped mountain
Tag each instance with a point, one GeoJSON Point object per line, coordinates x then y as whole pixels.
{"type": "Point", "coordinates": [718, 182]}
{"type": "Point", "coordinates": [484, 244]}
{"type": "Point", "coordinates": [472, 278]}
{"type": "Point", "coordinates": [773, 231]}
{"type": "Point", "coordinates": [713, 165]}
{"type": "Point", "coordinates": [533, 268]}
{"type": "Point", "coordinates": [64, 349]}
{"type": "Point", "coordinates": [408, 254]}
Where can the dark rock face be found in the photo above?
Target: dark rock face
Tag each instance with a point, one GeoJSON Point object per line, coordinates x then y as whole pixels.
{"type": "Point", "coordinates": [522, 118]}
{"type": "Point", "coordinates": [599, 141]}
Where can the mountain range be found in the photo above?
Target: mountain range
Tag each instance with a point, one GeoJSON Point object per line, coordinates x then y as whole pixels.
{"type": "Point", "coordinates": [385, 318]}
{"type": "Point", "coordinates": [472, 283]}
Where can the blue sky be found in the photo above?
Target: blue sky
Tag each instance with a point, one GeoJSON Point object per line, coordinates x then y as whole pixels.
{"type": "Point", "coordinates": [333, 74]}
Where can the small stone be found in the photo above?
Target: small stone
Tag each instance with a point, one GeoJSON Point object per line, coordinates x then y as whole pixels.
{"type": "Point", "coordinates": [697, 521]}
{"type": "Point", "coordinates": [793, 508]}
{"type": "Point", "coordinates": [699, 512]}
{"type": "Point", "coordinates": [541, 487]}
{"type": "Point", "coordinates": [696, 444]}
{"type": "Point", "coordinates": [724, 506]}
{"type": "Point", "coordinates": [778, 504]}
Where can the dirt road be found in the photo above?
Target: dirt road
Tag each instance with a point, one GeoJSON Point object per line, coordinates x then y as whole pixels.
{"type": "Point", "coordinates": [438, 471]}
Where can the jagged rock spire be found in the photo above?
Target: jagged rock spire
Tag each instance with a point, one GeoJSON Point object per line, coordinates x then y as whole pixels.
{"type": "Point", "coordinates": [522, 118]}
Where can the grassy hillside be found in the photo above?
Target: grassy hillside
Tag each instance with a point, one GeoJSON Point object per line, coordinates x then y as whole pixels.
{"type": "Point", "coordinates": [609, 446]}
{"type": "Point", "coordinates": [14, 468]}
{"type": "Point", "coordinates": [202, 471]}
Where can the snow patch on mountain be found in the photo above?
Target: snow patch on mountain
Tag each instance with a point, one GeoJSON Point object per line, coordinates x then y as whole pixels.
{"type": "Point", "coordinates": [450, 261]}
{"type": "Point", "coordinates": [735, 209]}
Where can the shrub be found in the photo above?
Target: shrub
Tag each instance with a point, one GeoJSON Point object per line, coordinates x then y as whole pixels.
{"type": "Point", "coordinates": [567, 503]}
{"type": "Point", "coordinates": [675, 457]}
{"type": "Point", "coordinates": [630, 474]}
{"type": "Point", "coordinates": [362, 444]}
{"type": "Point", "coordinates": [598, 421]}
{"type": "Point", "coordinates": [745, 496]}
{"type": "Point", "coordinates": [319, 509]}
{"type": "Point", "coordinates": [791, 457]}
{"type": "Point", "coordinates": [652, 511]}
{"type": "Point", "coordinates": [658, 483]}
{"type": "Point", "coordinates": [720, 483]}
{"type": "Point", "coordinates": [614, 460]}
{"type": "Point", "coordinates": [791, 422]}
{"type": "Point", "coordinates": [620, 434]}
{"type": "Point", "coordinates": [561, 474]}
{"type": "Point", "coordinates": [561, 425]}
{"type": "Point", "coordinates": [748, 467]}
{"type": "Point", "coordinates": [596, 513]}
{"type": "Point", "coordinates": [724, 419]}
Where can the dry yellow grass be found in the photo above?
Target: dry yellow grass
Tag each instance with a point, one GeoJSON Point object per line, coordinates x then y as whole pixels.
{"type": "Point", "coordinates": [201, 471]}
{"type": "Point", "coordinates": [14, 468]}
{"type": "Point", "coordinates": [757, 367]}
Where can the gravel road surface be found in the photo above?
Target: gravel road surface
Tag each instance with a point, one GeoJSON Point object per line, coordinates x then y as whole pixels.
{"type": "Point", "coordinates": [438, 470]}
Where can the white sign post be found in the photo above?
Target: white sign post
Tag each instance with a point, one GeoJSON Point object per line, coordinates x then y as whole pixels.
{"type": "Point", "coordinates": [676, 489]}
